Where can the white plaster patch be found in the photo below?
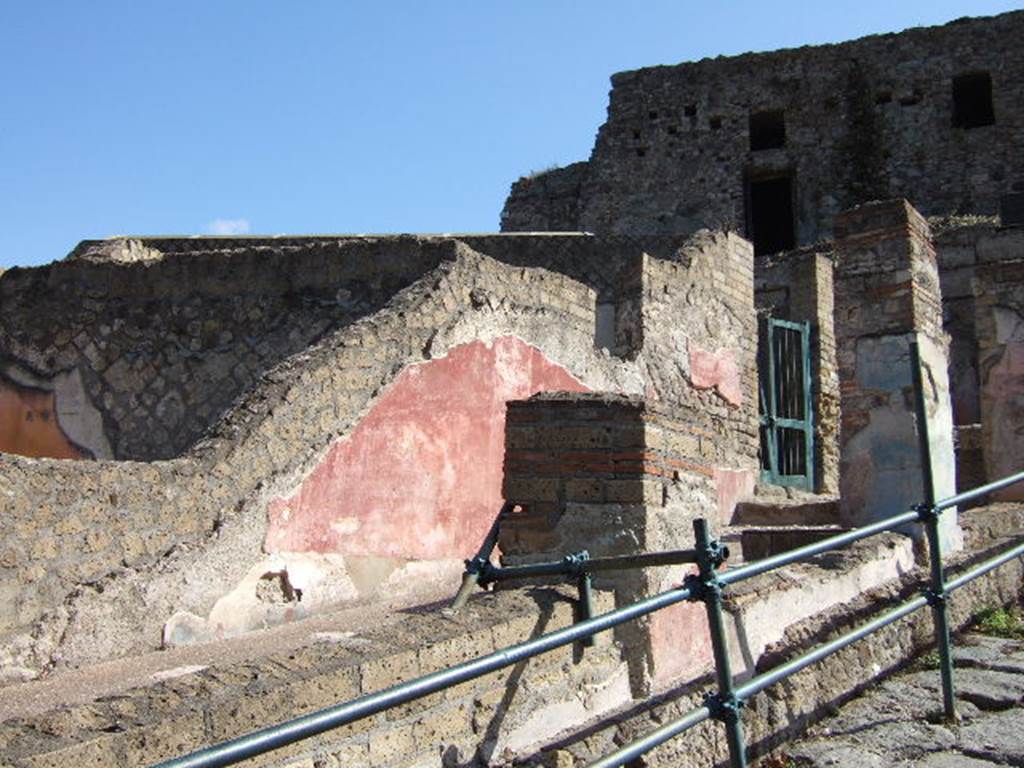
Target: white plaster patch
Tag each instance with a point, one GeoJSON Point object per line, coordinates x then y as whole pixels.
{"type": "Point", "coordinates": [170, 674]}
{"type": "Point", "coordinates": [340, 638]}
{"type": "Point", "coordinates": [556, 717]}
{"type": "Point", "coordinates": [763, 621]}
{"type": "Point", "coordinates": [315, 582]}
{"type": "Point", "coordinates": [343, 526]}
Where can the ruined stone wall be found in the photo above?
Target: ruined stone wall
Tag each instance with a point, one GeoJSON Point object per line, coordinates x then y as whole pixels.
{"type": "Point", "coordinates": [151, 340]}
{"type": "Point", "coordinates": [864, 120]}
{"type": "Point", "coordinates": [546, 201]}
{"type": "Point", "coordinates": [163, 345]}
{"type": "Point", "coordinates": [799, 286]}
{"type": "Point", "coordinates": [567, 707]}
{"type": "Point", "coordinates": [369, 461]}
{"type": "Point", "coordinates": [98, 557]}
{"type": "Point", "coordinates": [482, 722]}
{"type": "Point", "coordinates": [999, 325]}
{"type": "Point", "coordinates": [961, 247]}
{"type": "Point", "coordinates": [700, 337]}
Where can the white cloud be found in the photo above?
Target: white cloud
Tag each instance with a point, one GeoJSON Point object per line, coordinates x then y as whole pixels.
{"type": "Point", "coordinates": [228, 227]}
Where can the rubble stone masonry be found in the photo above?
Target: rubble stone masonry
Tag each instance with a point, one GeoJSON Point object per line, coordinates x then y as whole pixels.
{"type": "Point", "coordinates": [930, 114]}
{"type": "Point", "coordinates": [100, 559]}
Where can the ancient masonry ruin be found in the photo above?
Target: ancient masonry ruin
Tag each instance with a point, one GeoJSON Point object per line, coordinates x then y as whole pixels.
{"type": "Point", "coordinates": [207, 441]}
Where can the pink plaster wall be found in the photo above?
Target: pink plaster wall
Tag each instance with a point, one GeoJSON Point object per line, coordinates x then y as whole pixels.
{"type": "Point", "coordinates": [680, 642]}
{"type": "Point", "coordinates": [732, 485]}
{"type": "Point", "coordinates": [718, 370]}
{"type": "Point", "coordinates": [420, 477]}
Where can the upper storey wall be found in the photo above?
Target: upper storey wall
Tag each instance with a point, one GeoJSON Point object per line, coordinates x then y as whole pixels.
{"type": "Point", "coordinates": [868, 119]}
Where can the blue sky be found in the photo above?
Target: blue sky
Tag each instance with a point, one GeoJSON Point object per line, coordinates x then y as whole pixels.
{"type": "Point", "coordinates": [189, 117]}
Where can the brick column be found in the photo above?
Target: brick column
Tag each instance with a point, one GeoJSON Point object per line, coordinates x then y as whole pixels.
{"type": "Point", "coordinates": [887, 294]}
{"type": "Point", "coordinates": [614, 475]}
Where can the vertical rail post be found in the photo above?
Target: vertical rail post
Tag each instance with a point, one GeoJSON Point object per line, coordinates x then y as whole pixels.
{"type": "Point", "coordinates": [584, 584]}
{"type": "Point", "coordinates": [479, 564]}
{"type": "Point", "coordinates": [576, 562]}
{"type": "Point", "coordinates": [936, 592]}
{"type": "Point", "coordinates": [724, 705]}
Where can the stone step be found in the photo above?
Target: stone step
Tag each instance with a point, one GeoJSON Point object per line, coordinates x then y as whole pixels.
{"type": "Point", "coordinates": [761, 542]}
{"type": "Point", "coordinates": [784, 512]}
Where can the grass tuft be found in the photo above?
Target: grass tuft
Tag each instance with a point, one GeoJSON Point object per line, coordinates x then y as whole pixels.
{"type": "Point", "coordinates": [1001, 622]}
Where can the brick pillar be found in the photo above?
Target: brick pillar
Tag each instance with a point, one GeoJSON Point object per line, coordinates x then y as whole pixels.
{"type": "Point", "coordinates": [615, 475]}
{"type": "Point", "coordinates": [887, 294]}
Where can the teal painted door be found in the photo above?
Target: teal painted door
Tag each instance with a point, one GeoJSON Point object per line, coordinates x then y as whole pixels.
{"type": "Point", "coordinates": [787, 429]}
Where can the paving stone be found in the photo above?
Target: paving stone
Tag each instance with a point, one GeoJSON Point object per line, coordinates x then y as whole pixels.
{"type": "Point", "coordinates": [998, 737]}
{"type": "Point", "coordinates": [951, 760]}
{"type": "Point", "coordinates": [994, 653]}
{"type": "Point", "coordinates": [987, 689]}
{"type": "Point", "coordinates": [829, 752]}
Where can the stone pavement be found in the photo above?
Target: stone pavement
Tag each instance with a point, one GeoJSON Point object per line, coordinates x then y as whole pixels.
{"type": "Point", "coordinates": [898, 723]}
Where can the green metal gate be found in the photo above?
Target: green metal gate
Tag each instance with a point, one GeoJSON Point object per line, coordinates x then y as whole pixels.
{"type": "Point", "coordinates": [787, 428]}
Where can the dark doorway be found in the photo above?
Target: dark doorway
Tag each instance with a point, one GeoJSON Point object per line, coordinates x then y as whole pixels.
{"type": "Point", "coordinates": [972, 100]}
{"type": "Point", "coordinates": [770, 214]}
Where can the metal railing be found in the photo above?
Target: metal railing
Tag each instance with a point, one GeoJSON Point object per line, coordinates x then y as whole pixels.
{"type": "Point", "coordinates": [707, 586]}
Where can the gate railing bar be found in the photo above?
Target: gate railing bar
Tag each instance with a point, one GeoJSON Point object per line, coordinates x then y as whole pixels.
{"type": "Point", "coordinates": [267, 739]}
{"type": "Point", "coordinates": [655, 738]}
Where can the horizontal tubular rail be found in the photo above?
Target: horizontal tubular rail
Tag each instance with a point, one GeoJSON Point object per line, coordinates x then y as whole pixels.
{"type": "Point", "coordinates": [772, 676]}
{"type": "Point", "coordinates": [236, 750]}
{"type": "Point", "coordinates": [758, 567]}
{"type": "Point", "coordinates": [637, 748]}
{"type": "Point", "coordinates": [561, 567]}
{"type": "Point", "coordinates": [985, 567]}
{"type": "Point", "coordinates": [653, 739]}
{"type": "Point", "coordinates": [981, 490]}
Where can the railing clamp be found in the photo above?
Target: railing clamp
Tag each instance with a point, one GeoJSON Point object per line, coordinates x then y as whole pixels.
{"type": "Point", "coordinates": [575, 562]}
{"type": "Point", "coordinates": [926, 513]}
{"type": "Point", "coordinates": [714, 554]}
{"type": "Point", "coordinates": [482, 568]}
{"type": "Point", "coordinates": [935, 599]}
{"type": "Point", "coordinates": [725, 709]}
{"type": "Point", "coordinates": [702, 590]}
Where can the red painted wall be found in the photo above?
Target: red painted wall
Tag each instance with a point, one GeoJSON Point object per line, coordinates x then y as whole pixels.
{"type": "Point", "coordinates": [28, 424]}
{"type": "Point", "coordinates": [420, 477]}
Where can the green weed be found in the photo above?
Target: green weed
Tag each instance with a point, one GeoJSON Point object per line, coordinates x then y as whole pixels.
{"type": "Point", "coordinates": [1001, 622]}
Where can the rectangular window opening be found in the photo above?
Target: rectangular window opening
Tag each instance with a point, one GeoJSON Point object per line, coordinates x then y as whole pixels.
{"type": "Point", "coordinates": [770, 221]}
{"type": "Point", "coordinates": [767, 130]}
{"type": "Point", "coordinates": [972, 100]}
